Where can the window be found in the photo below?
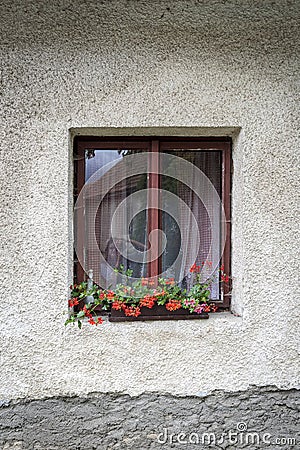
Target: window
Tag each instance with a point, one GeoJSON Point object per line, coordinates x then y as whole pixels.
{"type": "Point", "coordinates": [152, 205]}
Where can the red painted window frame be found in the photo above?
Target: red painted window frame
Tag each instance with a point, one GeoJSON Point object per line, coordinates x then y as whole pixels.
{"type": "Point", "coordinates": [155, 145]}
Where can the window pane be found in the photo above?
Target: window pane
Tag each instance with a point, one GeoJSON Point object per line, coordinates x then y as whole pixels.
{"type": "Point", "coordinates": [209, 162]}
{"type": "Point", "coordinates": [114, 248]}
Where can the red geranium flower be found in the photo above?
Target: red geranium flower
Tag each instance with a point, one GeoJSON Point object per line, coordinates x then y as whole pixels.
{"type": "Point", "coordinates": [158, 293]}
{"type": "Point", "coordinates": [225, 278]}
{"type": "Point", "coordinates": [195, 268]}
{"type": "Point", "coordinates": [87, 312]}
{"type": "Point", "coordinates": [173, 305]}
{"type": "Point", "coordinates": [91, 321]}
{"type": "Point", "coordinates": [133, 311]}
{"type": "Point", "coordinates": [117, 305]}
{"type": "Point", "coordinates": [110, 295]}
{"type": "Point", "coordinates": [213, 307]}
{"type": "Point", "coordinates": [73, 302]}
{"type": "Point", "coordinates": [148, 301]}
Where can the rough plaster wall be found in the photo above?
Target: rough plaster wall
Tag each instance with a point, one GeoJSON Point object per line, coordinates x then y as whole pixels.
{"type": "Point", "coordinates": [210, 64]}
{"type": "Point", "coordinates": [154, 422]}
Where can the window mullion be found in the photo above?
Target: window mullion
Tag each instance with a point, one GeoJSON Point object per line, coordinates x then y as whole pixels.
{"type": "Point", "coordinates": [154, 213]}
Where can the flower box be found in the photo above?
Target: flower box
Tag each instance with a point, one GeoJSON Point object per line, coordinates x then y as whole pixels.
{"type": "Point", "coordinates": [157, 312]}
{"type": "Point", "coordinates": [145, 299]}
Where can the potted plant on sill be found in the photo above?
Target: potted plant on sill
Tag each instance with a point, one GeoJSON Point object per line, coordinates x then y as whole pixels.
{"type": "Point", "coordinates": [143, 300]}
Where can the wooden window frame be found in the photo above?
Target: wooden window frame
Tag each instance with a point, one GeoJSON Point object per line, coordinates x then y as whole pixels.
{"type": "Point", "coordinates": [155, 145]}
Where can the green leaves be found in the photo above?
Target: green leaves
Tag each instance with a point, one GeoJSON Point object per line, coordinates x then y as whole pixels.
{"type": "Point", "coordinates": [144, 292]}
{"type": "Point", "coordinates": [128, 273]}
{"type": "Point", "coordinates": [70, 320]}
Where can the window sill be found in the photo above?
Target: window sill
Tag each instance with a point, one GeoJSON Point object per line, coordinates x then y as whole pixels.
{"type": "Point", "coordinates": [217, 320]}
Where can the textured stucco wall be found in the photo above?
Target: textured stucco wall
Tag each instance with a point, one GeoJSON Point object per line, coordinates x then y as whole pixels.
{"type": "Point", "coordinates": [255, 419]}
{"type": "Point", "coordinates": [200, 64]}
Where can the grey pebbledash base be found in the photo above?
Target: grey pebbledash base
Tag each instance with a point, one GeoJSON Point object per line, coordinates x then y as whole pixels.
{"type": "Point", "coordinates": [256, 418]}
